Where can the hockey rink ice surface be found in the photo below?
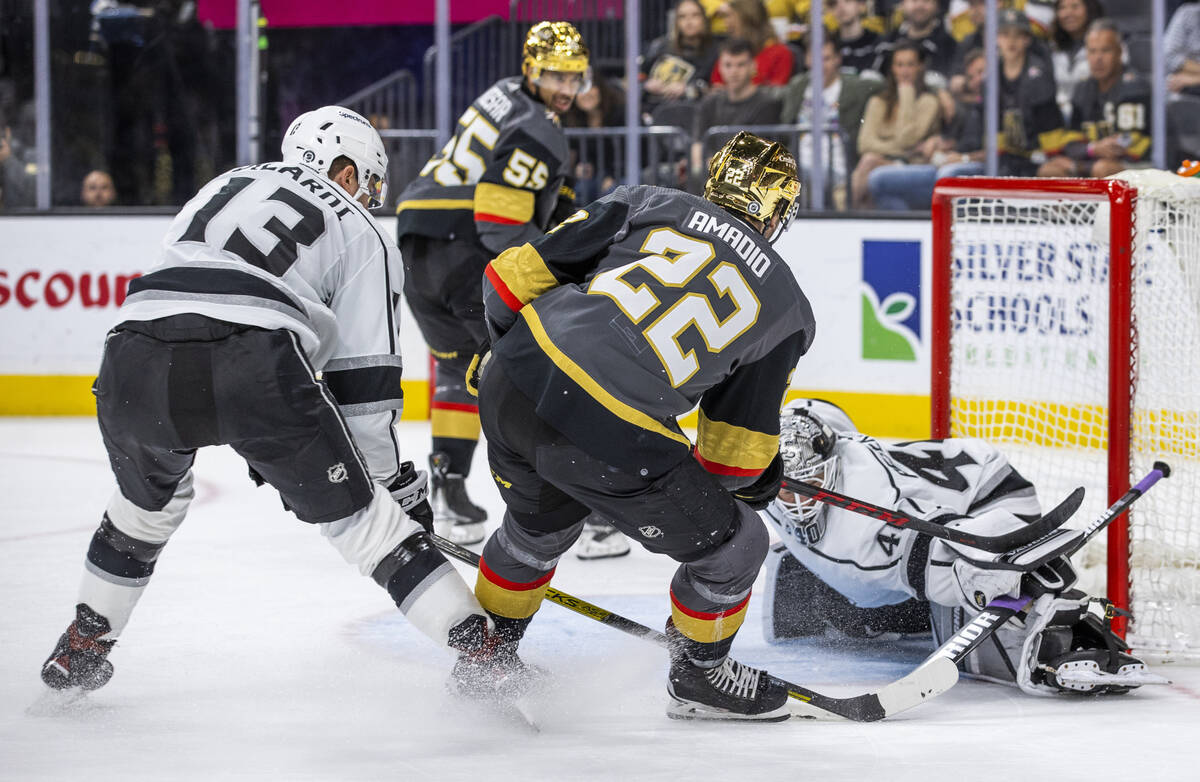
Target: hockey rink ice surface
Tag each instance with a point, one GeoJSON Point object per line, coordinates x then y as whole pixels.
{"type": "Point", "coordinates": [257, 653]}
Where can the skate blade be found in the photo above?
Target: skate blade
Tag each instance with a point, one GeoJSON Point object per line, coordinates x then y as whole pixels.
{"type": "Point", "coordinates": [589, 555]}
{"type": "Point", "coordinates": [56, 703]}
{"type": "Point", "coordinates": [679, 710]}
{"type": "Point", "coordinates": [509, 708]}
{"type": "Point", "coordinates": [1088, 676]}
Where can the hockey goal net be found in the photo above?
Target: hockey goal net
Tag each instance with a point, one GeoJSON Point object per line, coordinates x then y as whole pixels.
{"type": "Point", "coordinates": [1066, 329]}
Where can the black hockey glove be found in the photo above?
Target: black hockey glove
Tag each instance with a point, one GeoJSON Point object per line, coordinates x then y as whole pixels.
{"type": "Point", "coordinates": [482, 354]}
{"type": "Point", "coordinates": [410, 490]}
{"type": "Point", "coordinates": [765, 488]}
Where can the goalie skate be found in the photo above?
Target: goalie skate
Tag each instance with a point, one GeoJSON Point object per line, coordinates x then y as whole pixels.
{"type": "Point", "coordinates": [1086, 676]}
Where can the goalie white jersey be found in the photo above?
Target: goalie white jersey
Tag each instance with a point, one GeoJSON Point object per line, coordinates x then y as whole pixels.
{"type": "Point", "coordinates": [873, 564]}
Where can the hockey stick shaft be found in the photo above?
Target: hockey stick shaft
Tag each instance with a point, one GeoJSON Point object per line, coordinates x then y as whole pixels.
{"type": "Point", "coordinates": [1000, 610]}
{"type": "Point", "coordinates": [896, 518]}
{"type": "Point", "coordinates": [927, 682]}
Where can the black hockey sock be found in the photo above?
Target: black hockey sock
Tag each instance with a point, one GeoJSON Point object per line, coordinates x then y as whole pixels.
{"type": "Point", "coordinates": [459, 454]}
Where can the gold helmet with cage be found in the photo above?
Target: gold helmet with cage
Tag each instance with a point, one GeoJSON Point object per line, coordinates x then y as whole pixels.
{"type": "Point", "coordinates": [557, 47]}
{"type": "Point", "coordinates": [755, 178]}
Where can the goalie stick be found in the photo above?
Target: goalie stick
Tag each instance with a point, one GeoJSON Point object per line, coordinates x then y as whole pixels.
{"type": "Point", "coordinates": [1000, 610]}
{"type": "Point", "coordinates": [930, 679]}
{"type": "Point", "coordinates": [994, 544]}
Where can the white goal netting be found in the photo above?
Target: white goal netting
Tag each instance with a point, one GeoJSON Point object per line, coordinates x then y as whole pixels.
{"type": "Point", "coordinates": [1030, 370]}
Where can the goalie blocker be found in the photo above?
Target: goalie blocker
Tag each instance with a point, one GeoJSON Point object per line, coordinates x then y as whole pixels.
{"type": "Point", "coordinates": [840, 573]}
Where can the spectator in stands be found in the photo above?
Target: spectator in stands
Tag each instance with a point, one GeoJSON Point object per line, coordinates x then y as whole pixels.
{"type": "Point", "coordinates": [747, 20]}
{"type": "Point", "coordinates": [1181, 48]}
{"type": "Point", "coordinates": [1072, 18]}
{"type": "Point", "coordinates": [1111, 111]}
{"type": "Point", "coordinates": [856, 43]}
{"type": "Point", "coordinates": [897, 120]}
{"type": "Point", "coordinates": [957, 151]}
{"type": "Point", "coordinates": [596, 160]}
{"type": "Point", "coordinates": [922, 24]}
{"type": "Point", "coordinates": [678, 65]}
{"type": "Point", "coordinates": [844, 97]}
{"type": "Point", "coordinates": [741, 102]}
{"type": "Point", "coordinates": [18, 187]}
{"type": "Point", "coordinates": [97, 189]}
{"type": "Point", "coordinates": [1031, 124]}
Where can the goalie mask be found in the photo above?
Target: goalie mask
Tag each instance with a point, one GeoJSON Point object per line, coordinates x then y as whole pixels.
{"type": "Point", "coordinates": [318, 137]}
{"type": "Point", "coordinates": [556, 58]}
{"type": "Point", "coordinates": [806, 445]}
{"type": "Point", "coordinates": [755, 178]}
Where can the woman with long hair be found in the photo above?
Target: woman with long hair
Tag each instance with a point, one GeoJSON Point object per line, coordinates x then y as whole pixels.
{"type": "Point", "coordinates": [897, 121]}
{"type": "Point", "coordinates": [678, 65]}
{"type": "Point", "coordinates": [747, 19]}
{"type": "Point", "coordinates": [1071, 21]}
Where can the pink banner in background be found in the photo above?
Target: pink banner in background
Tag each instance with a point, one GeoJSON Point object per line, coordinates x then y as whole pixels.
{"type": "Point", "coordinates": [222, 14]}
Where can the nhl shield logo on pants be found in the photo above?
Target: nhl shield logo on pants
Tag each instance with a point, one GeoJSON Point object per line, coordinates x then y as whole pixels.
{"type": "Point", "coordinates": [337, 473]}
{"type": "Point", "coordinates": [650, 531]}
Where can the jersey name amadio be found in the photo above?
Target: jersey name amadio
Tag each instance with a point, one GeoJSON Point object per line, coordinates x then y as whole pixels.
{"type": "Point", "coordinates": [743, 245]}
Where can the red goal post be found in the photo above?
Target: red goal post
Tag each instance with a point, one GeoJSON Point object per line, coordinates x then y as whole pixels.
{"type": "Point", "coordinates": [1120, 197]}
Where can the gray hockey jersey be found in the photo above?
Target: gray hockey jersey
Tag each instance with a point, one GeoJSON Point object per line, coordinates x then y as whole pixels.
{"type": "Point", "coordinates": [282, 247]}
{"type": "Point", "coordinates": [637, 309]}
{"type": "Point", "coordinates": [498, 180]}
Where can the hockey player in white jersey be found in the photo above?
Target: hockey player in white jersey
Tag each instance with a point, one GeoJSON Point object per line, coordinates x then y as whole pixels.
{"type": "Point", "coordinates": [270, 325]}
{"type": "Point", "coordinates": [841, 571]}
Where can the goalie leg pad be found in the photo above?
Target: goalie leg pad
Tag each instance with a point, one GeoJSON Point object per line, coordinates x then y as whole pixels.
{"type": "Point", "coordinates": [798, 604]}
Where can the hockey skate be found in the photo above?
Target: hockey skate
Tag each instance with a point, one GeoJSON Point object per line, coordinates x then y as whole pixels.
{"type": "Point", "coordinates": [488, 667]}
{"type": "Point", "coordinates": [727, 690]}
{"type": "Point", "coordinates": [455, 517]}
{"type": "Point", "coordinates": [600, 540]}
{"type": "Point", "coordinates": [80, 659]}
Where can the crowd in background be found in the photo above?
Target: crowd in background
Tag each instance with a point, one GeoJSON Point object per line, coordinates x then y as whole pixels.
{"type": "Point", "coordinates": [901, 87]}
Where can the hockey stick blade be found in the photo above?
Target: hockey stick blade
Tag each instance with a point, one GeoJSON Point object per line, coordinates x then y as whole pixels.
{"type": "Point", "coordinates": [928, 681]}
{"type": "Point", "coordinates": [994, 544]}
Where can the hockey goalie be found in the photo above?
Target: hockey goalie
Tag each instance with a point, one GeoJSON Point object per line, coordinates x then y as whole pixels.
{"type": "Point", "coordinates": [837, 572]}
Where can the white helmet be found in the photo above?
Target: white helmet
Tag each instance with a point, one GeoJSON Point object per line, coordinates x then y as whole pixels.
{"type": "Point", "coordinates": [806, 445]}
{"type": "Point", "coordinates": [316, 138]}
{"type": "Point", "coordinates": [829, 413]}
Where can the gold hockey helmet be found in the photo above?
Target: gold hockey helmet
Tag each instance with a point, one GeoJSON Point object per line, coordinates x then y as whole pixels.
{"type": "Point", "coordinates": [755, 178]}
{"type": "Point", "coordinates": [555, 46]}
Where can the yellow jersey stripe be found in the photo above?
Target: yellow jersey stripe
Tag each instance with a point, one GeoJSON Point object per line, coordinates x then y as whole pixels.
{"type": "Point", "coordinates": [734, 446]}
{"type": "Point", "coordinates": [509, 203]}
{"type": "Point", "coordinates": [436, 203]}
{"type": "Point", "coordinates": [593, 389]}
